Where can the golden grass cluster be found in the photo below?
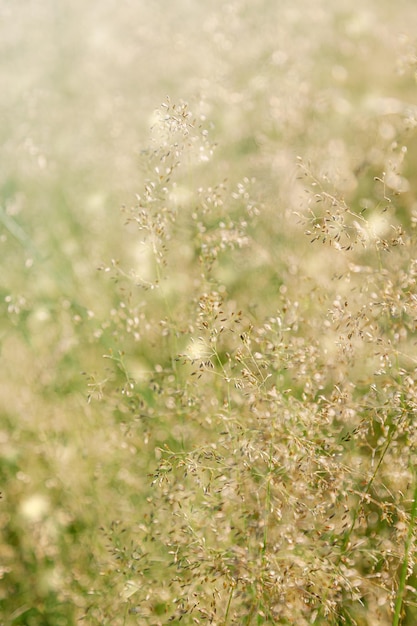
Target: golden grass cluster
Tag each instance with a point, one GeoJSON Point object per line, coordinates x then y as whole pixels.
{"type": "Point", "coordinates": [208, 407]}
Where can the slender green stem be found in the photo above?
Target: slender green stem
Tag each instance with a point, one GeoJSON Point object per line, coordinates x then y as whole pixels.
{"type": "Point", "coordinates": [366, 490]}
{"type": "Point", "coordinates": [404, 569]}
{"type": "Point", "coordinates": [348, 534]}
{"type": "Point", "coordinates": [266, 511]}
{"type": "Point", "coordinates": [229, 602]}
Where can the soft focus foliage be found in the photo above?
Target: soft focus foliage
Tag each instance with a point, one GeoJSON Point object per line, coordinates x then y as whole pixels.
{"type": "Point", "coordinates": [208, 226]}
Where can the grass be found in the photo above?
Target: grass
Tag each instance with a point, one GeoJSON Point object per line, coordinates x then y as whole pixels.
{"type": "Point", "coordinates": [209, 314]}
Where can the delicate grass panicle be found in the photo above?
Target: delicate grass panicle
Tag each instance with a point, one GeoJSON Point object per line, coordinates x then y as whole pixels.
{"type": "Point", "coordinates": [284, 488]}
{"type": "Point", "coordinates": [245, 452]}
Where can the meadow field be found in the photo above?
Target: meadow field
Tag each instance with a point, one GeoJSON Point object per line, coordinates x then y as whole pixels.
{"type": "Point", "coordinates": [208, 228]}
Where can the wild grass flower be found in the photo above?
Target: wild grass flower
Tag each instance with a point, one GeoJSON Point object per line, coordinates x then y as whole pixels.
{"type": "Point", "coordinates": [241, 446]}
